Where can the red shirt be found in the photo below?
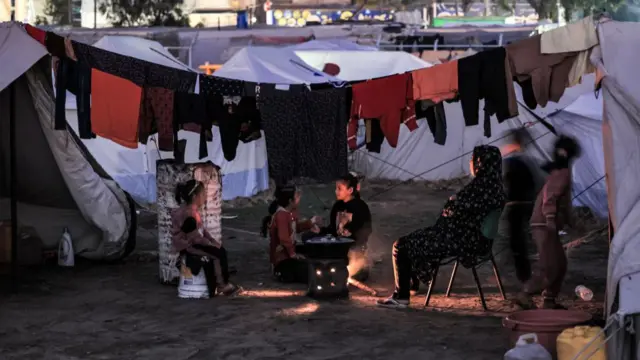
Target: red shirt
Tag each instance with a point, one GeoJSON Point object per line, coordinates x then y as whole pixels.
{"type": "Point", "coordinates": [389, 99]}
{"type": "Point", "coordinates": [284, 225]}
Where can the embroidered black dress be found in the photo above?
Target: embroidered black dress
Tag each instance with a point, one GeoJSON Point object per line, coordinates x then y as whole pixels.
{"type": "Point", "coordinates": [456, 233]}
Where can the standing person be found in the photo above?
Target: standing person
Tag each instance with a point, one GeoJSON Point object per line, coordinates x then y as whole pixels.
{"type": "Point", "coordinates": [191, 238]}
{"type": "Point", "coordinates": [551, 212]}
{"type": "Point", "coordinates": [520, 183]}
{"type": "Point", "coordinates": [351, 218]}
{"type": "Point", "coordinates": [281, 226]}
{"type": "Point", "coordinates": [456, 233]}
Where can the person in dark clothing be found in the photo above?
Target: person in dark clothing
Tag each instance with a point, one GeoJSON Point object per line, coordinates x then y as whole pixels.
{"type": "Point", "coordinates": [456, 234]}
{"type": "Point", "coordinates": [351, 218]}
{"type": "Point", "coordinates": [519, 179]}
{"type": "Point", "coordinates": [192, 240]}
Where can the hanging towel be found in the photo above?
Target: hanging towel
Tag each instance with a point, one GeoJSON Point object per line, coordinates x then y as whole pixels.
{"type": "Point", "coordinates": [115, 108]}
{"type": "Point", "coordinates": [436, 83]}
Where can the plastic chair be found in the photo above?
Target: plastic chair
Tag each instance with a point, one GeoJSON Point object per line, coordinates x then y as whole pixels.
{"type": "Point", "coordinates": [489, 231]}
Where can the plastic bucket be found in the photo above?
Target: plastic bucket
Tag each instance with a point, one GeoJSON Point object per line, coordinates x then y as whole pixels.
{"type": "Point", "coordinates": [192, 286]}
{"type": "Point", "coordinates": [546, 324]}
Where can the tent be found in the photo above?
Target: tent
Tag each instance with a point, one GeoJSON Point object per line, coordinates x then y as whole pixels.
{"type": "Point", "coordinates": [332, 44]}
{"type": "Point", "coordinates": [135, 169]}
{"type": "Point", "coordinates": [288, 66]}
{"type": "Point", "coordinates": [362, 65]}
{"type": "Point", "coordinates": [615, 58]}
{"type": "Point", "coordinates": [59, 184]}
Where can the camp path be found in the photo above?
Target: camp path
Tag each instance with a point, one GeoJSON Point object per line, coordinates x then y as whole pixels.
{"type": "Point", "coordinates": [120, 311]}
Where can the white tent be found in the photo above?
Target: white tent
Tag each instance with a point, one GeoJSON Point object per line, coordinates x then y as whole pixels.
{"type": "Point", "coordinates": [59, 184]}
{"type": "Point", "coordinates": [271, 65]}
{"type": "Point", "coordinates": [362, 65]}
{"type": "Point", "coordinates": [616, 58]}
{"type": "Point", "coordinates": [135, 169]}
{"type": "Point", "coordinates": [332, 44]}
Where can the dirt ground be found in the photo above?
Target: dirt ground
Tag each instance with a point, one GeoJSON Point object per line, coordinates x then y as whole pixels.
{"type": "Point", "coordinates": [120, 311]}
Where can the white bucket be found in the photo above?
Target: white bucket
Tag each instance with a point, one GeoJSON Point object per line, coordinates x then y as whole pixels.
{"type": "Point", "coordinates": [190, 286]}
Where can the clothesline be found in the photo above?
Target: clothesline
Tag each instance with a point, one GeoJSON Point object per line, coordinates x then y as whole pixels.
{"type": "Point", "coordinates": [542, 65]}
{"type": "Point", "coordinates": [179, 72]}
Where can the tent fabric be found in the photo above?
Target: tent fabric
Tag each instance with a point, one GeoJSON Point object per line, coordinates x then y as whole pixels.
{"type": "Point", "coordinates": [142, 49]}
{"type": "Point", "coordinates": [621, 133]}
{"type": "Point", "coordinates": [363, 65]}
{"type": "Point", "coordinates": [57, 185]}
{"type": "Point", "coordinates": [134, 169]}
{"type": "Point", "coordinates": [332, 44]}
{"type": "Point", "coordinates": [14, 40]}
{"type": "Point", "coordinates": [271, 65]}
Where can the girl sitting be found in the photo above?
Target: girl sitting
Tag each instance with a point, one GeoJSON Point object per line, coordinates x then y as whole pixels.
{"type": "Point", "coordinates": [350, 217]}
{"type": "Point", "coordinates": [281, 225]}
{"type": "Point", "coordinates": [191, 239]}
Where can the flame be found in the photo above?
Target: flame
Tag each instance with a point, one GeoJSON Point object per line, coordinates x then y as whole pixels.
{"type": "Point", "coordinates": [356, 263]}
{"type": "Point", "coordinates": [272, 293]}
{"type": "Point", "coordinates": [304, 309]}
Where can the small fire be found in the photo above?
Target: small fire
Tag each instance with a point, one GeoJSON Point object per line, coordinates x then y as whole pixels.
{"type": "Point", "coordinates": [357, 263]}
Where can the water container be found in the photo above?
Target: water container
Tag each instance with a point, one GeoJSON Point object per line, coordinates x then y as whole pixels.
{"type": "Point", "coordinates": [66, 257]}
{"type": "Point", "coordinates": [572, 341]}
{"type": "Point", "coordinates": [528, 348]}
{"type": "Point", "coordinates": [584, 293]}
{"type": "Point", "coordinates": [192, 286]}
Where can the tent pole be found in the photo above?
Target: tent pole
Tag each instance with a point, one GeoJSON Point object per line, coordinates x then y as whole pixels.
{"type": "Point", "coordinates": [14, 182]}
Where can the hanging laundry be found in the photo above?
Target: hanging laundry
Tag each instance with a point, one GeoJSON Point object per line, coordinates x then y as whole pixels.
{"type": "Point", "coordinates": [436, 83]}
{"type": "Point", "coordinates": [55, 44]}
{"type": "Point", "coordinates": [37, 34]}
{"type": "Point", "coordinates": [76, 78]}
{"type": "Point", "coordinates": [170, 78]}
{"type": "Point", "coordinates": [305, 134]}
{"type": "Point", "coordinates": [548, 72]}
{"type": "Point", "coordinates": [374, 137]}
{"type": "Point", "coordinates": [249, 116]}
{"type": "Point", "coordinates": [140, 72]}
{"type": "Point", "coordinates": [229, 125]}
{"type": "Point", "coordinates": [196, 109]}
{"type": "Point", "coordinates": [156, 115]}
{"type": "Point", "coordinates": [388, 99]}
{"type": "Point", "coordinates": [577, 36]}
{"type": "Point", "coordinates": [436, 119]}
{"type": "Point", "coordinates": [214, 85]}
{"type": "Point", "coordinates": [484, 76]}
{"type": "Point", "coordinates": [115, 108]}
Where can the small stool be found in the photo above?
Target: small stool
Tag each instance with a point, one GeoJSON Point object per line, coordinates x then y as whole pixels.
{"type": "Point", "coordinates": [190, 286]}
{"type": "Point", "coordinates": [328, 278]}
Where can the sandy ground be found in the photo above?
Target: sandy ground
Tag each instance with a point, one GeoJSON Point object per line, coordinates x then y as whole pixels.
{"type": "Point", "coordinates": [120, 311]}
